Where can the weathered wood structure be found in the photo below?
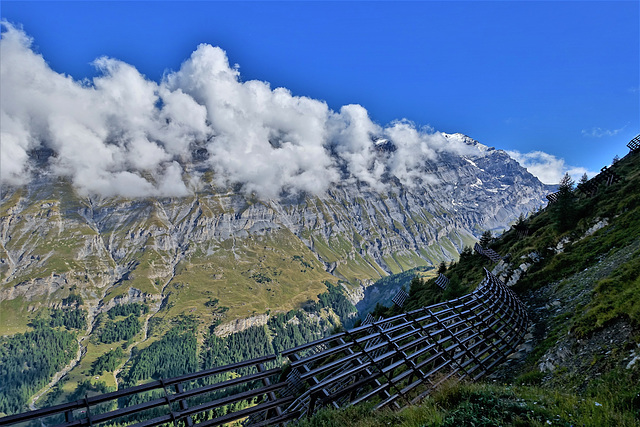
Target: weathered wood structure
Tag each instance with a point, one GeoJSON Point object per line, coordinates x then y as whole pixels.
{"type": "Point", "coordinates": [368, 320]}
{"type": "Point", "coordinates": [489, 253]}
{"type": "Point", "coordinates": [442, 281]}
{"type": "Point", "coordinates": [400, 298]}
{"type": "Point", "coordinates": [396, 361]}
{"type": "Point", "coordinates": [175, 397]}
{"type": "Point", "coordinates": [553, 197]}
{"type": "Point", "coordinates": [522, 230]}
{"type": "Point", "coordinates": [607, 176]}
{"type": "Point", "coordinates": [634, 144]}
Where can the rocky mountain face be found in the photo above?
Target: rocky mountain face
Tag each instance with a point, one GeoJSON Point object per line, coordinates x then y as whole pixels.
{"type": "Point", "coordinates": [253, 255]}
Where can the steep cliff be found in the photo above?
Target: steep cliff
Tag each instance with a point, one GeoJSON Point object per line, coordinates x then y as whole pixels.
{"type": "Point", "coordinates": [253, 254]}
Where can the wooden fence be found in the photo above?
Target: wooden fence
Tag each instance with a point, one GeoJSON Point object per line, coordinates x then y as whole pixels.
{"type": "Point", "coordinates": [395, 362]}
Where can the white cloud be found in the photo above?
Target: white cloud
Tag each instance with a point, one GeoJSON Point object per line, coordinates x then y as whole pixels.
{"type": "Point", "coordinates": [124, 135]}
{"type": "Point", "coordinates": [548, 168]}
{"type": "Point", "coordinates": [16, 141]}
{"type": "Point", "coordinates": [597, 132]}
{"type": "Point", "coordinates": [107, 135]}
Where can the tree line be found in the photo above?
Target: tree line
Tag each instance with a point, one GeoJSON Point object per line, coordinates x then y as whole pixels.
{"type": "Point", "coordinates": [121, 330]}
{"type": "Point", "coordinates": [107, 362]}
{"type": "Point", "coordinates": [335, 299]}
{"type": "Point", "coordinates": [28, 361]}
{"type": "Point", "coordinates": [134, 308]}
{"type": "Point", "coordinates": [176, 353]}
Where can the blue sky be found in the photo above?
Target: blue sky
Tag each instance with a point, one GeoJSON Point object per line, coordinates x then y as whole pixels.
{"type": "Point", "coordinates": [558, 77]}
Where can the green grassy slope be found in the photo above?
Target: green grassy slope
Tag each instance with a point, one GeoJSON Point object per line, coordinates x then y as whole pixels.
{"type": "Point", "coordinates": [583, 300]}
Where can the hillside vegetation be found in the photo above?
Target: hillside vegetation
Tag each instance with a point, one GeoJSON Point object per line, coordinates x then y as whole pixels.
{"type": "Point", "coordinates": [576, 266]}
{"type": "Point", "coordinates": [228, 256]}
{"type": "Point", "coordinates": [30, 359]}
{"type": "Point", "coordinates": [577, 269]}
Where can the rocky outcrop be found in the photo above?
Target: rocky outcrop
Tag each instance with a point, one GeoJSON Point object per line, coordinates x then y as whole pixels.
{"type": "Point", "coordinates": [600, 223]}
{"type": "Point", "coordinates": [31, 289]}
{"type": "Point", "coordinates": [551, 308]}
{"type": "Point", "coordinates": [509, 274]}
{"type": "Point", "coordinates": [133, 295]}
{"type": "Point", "coordinates": [240, 325]}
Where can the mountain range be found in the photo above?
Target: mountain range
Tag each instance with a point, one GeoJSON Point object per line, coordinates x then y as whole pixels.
{"type": "Point", "coordinates": [117, 271]}
{"type": "Point", "coordinates": [252, 254]}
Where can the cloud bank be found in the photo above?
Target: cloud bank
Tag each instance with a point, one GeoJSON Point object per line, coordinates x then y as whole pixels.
{"type": "Point", "coordinates": [548, 168]}
{"type": "Point", "coordinates": [121, 134]}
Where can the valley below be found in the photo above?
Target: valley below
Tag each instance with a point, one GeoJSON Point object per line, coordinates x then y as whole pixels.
{"type": "Point", "coordinates": [221, 263]}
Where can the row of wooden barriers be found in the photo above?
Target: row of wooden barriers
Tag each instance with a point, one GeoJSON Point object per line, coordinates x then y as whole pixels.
{"type": "Point", "coordinates": [393, 362]}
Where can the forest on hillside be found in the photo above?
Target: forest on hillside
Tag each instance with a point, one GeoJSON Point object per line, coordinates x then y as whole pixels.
{"type": "Point", "coordinates": [29, 360]}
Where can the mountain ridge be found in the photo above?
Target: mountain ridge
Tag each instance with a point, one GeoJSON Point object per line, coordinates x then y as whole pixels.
{"type": "Point", "coordinates": [230, 261]}
{"type": "Point", "coordinates": [381, 232]}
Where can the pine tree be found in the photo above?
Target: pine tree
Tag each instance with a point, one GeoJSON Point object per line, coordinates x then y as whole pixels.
{"type": "Point", "coordinates": [584, 179]}
{"type": "Point", "coordinates": [442, 267]}
{"type": "Point", "coordinates": [566, 185]}
{"type": "Point", "coordinates": [564, 209]}
{"type": "Point", "coordinates": [486, 239]}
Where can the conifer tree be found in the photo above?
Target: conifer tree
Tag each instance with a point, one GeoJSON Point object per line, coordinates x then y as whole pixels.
{"type": "Point", "coordinates": [564, 209]}
{"type": "Point", "coordinates": [442, 267]}
{"type": "Point", "coordinates": [486, 239]}
{"type": "Point", "coordinates": [584, 179]}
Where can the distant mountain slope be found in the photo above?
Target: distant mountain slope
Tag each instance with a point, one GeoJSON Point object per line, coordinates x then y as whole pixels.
{"type": "Point", "coordinates": [228, 261]}
{"type": "Point", "coordinates": [215, 243]}
{"type": "Point", "coordinates": [576, 267]}
{"type": "Point", "coordinates": [204, 185]}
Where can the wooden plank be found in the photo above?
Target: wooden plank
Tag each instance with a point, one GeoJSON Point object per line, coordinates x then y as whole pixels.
{"type": "Point", "coordinates": [368, 320]}
{"type": "Point", "coordinates": [400, 298]}
{"type": "Point", "coordinates": [244, 413]}
{"type": "Point", "coordinates": [442, 281]}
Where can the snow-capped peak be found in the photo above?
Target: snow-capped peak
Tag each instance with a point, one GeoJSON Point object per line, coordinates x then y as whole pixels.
{"type": "Point", "coordinates": [467, 140]}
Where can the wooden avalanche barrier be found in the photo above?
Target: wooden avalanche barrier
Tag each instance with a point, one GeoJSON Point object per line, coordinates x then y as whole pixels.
{"type": "Point", "coordinates": [395, 361]}
{"type": "Point", "coordinates": [489, 253]}
{"type": "Point", "coordinates": [634, 144]}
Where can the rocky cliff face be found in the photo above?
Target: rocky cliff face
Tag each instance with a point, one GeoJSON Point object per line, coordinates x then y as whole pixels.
{"type": "Point", "coordinates": [227, 245]}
